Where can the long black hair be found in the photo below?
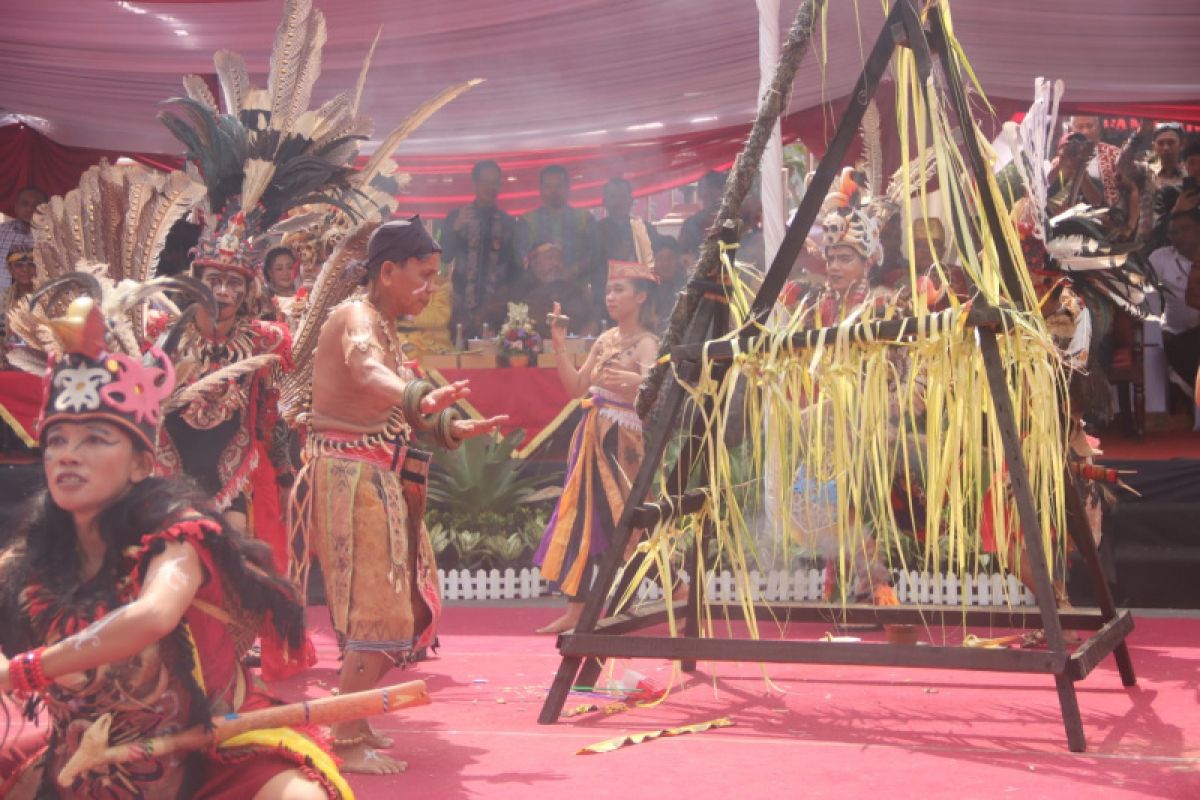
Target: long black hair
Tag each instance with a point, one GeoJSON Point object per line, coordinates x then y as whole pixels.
{"type": "Point", "coordinates": [46, 550]}
{"type": "Point", "coordinates": [648, 313]}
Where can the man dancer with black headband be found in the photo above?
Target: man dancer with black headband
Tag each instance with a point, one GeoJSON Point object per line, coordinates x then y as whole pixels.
{"type": "Point", "coordinates": [364, 486]}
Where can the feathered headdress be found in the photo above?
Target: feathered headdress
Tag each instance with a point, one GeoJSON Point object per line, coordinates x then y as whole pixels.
{"type": "Point", "coordinates": [858, 206]}
{"type": "Point", "coordinates": [850, 221]}
{"type": "Point", "coordinates": [95, 249]}
{"type": "Point", "coordinates": [1073, 242]}
{"type": "Point", "coordinates": [269, 153]}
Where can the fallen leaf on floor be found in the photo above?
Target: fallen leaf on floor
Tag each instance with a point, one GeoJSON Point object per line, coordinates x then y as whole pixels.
{"type": "Point", "coordinates": [586, 708]}
{"type": "Point", "coordinates": [608, 745]}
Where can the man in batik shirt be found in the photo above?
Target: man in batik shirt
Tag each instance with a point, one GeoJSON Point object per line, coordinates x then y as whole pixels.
{"type": "Point", "coordinates": [572, 229]}
{"type": "Point", "coordinates": [479, 240]}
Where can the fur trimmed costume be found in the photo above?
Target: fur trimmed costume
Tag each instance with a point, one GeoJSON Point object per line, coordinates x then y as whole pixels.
{"type": "Point", "coordinates": [179, 681]}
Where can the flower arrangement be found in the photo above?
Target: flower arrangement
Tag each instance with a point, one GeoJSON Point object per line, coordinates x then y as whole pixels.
{"type": "Point", "coordinates": [519, 340]}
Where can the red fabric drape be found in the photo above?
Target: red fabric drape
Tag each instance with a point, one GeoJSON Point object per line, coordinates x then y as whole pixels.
{"type": "Point", "coordinates": [531, 397]}
{"type": "Point", "coordinates": [30, 158]}
{"type": "Point", "coordinates": [20, 402]}
{"type": "Point", "coordinates": [27, 158]}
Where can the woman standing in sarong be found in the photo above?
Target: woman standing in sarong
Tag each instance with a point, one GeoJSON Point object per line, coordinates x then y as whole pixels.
{"type": "Point", "coordinates": [606, 450]}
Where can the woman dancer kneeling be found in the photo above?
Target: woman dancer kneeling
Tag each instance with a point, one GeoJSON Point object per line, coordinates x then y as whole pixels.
{"type": "Point", "coordinates": [606, 450]}
{"type": "Point", "coordinates": [127, 593]}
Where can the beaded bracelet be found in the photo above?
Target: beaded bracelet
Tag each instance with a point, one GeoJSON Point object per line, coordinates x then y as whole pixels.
{"type": "Point", "coordinates": [26, 674]}
{"type": "Point", "coordinates": [17, 678]}
{"type": "Point", "coordinates": [444, 431]}
{"type": "Point", "coordinates": [414, 392]}
{"type": "Point", "coordinates": [35, 671]}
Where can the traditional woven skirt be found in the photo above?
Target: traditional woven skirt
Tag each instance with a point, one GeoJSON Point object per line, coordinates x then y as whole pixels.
{"type": "Point", "coordinates": [362, 511]}
{"type": "Point", "coordinates": [606, 453]}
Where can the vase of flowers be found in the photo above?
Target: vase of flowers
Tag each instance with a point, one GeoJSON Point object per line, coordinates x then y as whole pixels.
{"type": "Point", "coordinates": [519, 340]}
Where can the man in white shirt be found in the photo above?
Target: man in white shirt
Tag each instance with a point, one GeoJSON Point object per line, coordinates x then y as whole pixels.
{"type": "Point", "coordinates": [1178, 267]}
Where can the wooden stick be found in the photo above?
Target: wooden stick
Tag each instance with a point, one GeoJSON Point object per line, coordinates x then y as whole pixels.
{"type": "Point", "coordinates": [94, 750]}
{"type": "Point", "coordinates": [771, 107]}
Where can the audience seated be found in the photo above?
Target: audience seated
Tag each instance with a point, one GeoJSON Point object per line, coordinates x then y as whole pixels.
{"type": "Point", "coordinates": [695, 228]}
{"type": "Point", "coordinates": [672, 268]}
{"type": "Point", "coordinates": [555, 220]}
{"type": "Point", "coordinates": [547, 281]}
{"type": "Point", "coordinates": [16, 232]}
{"type": "Point", "coordinates": [1178, 268]}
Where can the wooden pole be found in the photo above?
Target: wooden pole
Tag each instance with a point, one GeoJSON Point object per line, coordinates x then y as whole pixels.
{"type": "Point", "coordinates": [737, 186]}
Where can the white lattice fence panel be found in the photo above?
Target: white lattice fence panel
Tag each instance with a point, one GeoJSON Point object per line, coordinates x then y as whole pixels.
{"type": "Point", "coordinates": [912, 587]}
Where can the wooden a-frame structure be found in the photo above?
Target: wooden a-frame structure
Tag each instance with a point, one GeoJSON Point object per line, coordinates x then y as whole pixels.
{"type": "Point", "coordinates": [593, 640]}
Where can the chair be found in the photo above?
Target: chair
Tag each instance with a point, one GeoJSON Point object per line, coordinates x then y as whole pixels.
{"type": "Point", "coordinates": [1127, 371]}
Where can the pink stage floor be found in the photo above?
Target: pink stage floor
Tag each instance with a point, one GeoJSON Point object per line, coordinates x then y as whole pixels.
{"type": "Point", "coordinates": [836, 732]}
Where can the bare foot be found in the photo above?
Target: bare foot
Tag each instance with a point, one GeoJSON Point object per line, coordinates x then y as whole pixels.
{"type": "Point", "coordinates": [566, 622]}
{"type": "Point", "coordinates": [366, 760]}
{"type": "Point", "coordinates": [378, 740]}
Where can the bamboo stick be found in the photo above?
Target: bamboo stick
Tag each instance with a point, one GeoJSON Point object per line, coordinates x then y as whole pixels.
{"type": "Point", "coordinates": [94, 750]}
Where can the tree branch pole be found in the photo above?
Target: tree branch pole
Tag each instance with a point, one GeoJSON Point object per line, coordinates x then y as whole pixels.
{"type": "Point", "coordinates": [737, 186]}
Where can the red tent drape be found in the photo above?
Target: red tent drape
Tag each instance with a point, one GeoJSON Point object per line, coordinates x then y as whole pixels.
{"type": "Point", "coordinates": [27, 158]}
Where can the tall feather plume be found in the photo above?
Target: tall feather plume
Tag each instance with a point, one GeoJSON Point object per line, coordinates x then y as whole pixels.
{"type": "Point", "coordinates": [92, 236]}
{"type": "Point", "coordinates": [174, 196]}
{"type": "Point", "coordinates": [112, 227]}
{"type": "Point", "coordinates": [287, 56]}
{"type": "Point", "coordinates": [196, 89]}
{"type": "Point", "coordinates": [32, 327]}
{"type": "Point", "coordinates": [51, 259]}
{"type": "Point", "coordinates": [413, 121]}
{"type": "Point", "coordinates": [334, 284]}
{"type": "Point", "coordinates": [27, 359]}
{"type": "Point", "coordinates": [1032, 143]}
{"type": "Point", "coordinates": [872, 137]}
{"type": "Point", "coordinates": [190, 392]}
{"type": "Point", "coordinates": [352, 129]}
{"type": "Point", "coordinates": [114, 199]}
{"type": "Point", "coordinates": [309, 69]}
{"type": "Point", "coordinates": [908, 179]}
{"type": "Point", "coordinates": [140, 189]}
{"type": "Point", "coordinates": [362, 73]}
{"type": "Point", "coordinates": [234, 79]}
{"type": "Point", "coordinates": [217, 146]}
{"type": "Point", "coordinates": [332, 113]}
{"type": "Point", "coordinates": [73, 229]}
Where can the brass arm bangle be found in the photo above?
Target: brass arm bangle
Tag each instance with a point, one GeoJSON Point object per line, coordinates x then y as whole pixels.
{"type": "Point", "coordinates": [443, 431]}
{"type": "Point", "coordinates": [414, 392]}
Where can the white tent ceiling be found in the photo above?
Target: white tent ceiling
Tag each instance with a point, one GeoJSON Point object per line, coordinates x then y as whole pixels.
{"type": "Point", "coordinates": [560, 73]}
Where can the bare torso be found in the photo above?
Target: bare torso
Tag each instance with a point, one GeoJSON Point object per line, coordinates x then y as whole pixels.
{"type": "Point", "coordinates": [341, 400]}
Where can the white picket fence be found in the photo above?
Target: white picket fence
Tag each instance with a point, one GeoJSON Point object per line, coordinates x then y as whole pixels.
{"type": "Point", "coordinates": [776, 585]}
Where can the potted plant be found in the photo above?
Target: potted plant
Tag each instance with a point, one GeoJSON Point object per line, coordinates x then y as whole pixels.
{"type": "Point", "coordinates": [519, 340]}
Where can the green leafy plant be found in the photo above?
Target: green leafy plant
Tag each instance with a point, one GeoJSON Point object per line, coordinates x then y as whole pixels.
{"type": "Point", "coordinates": [487, 509]}
{"type": "Point", "coordinates": [482, 477]}
{"type": "Point", "coordinates": [508, 544]}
